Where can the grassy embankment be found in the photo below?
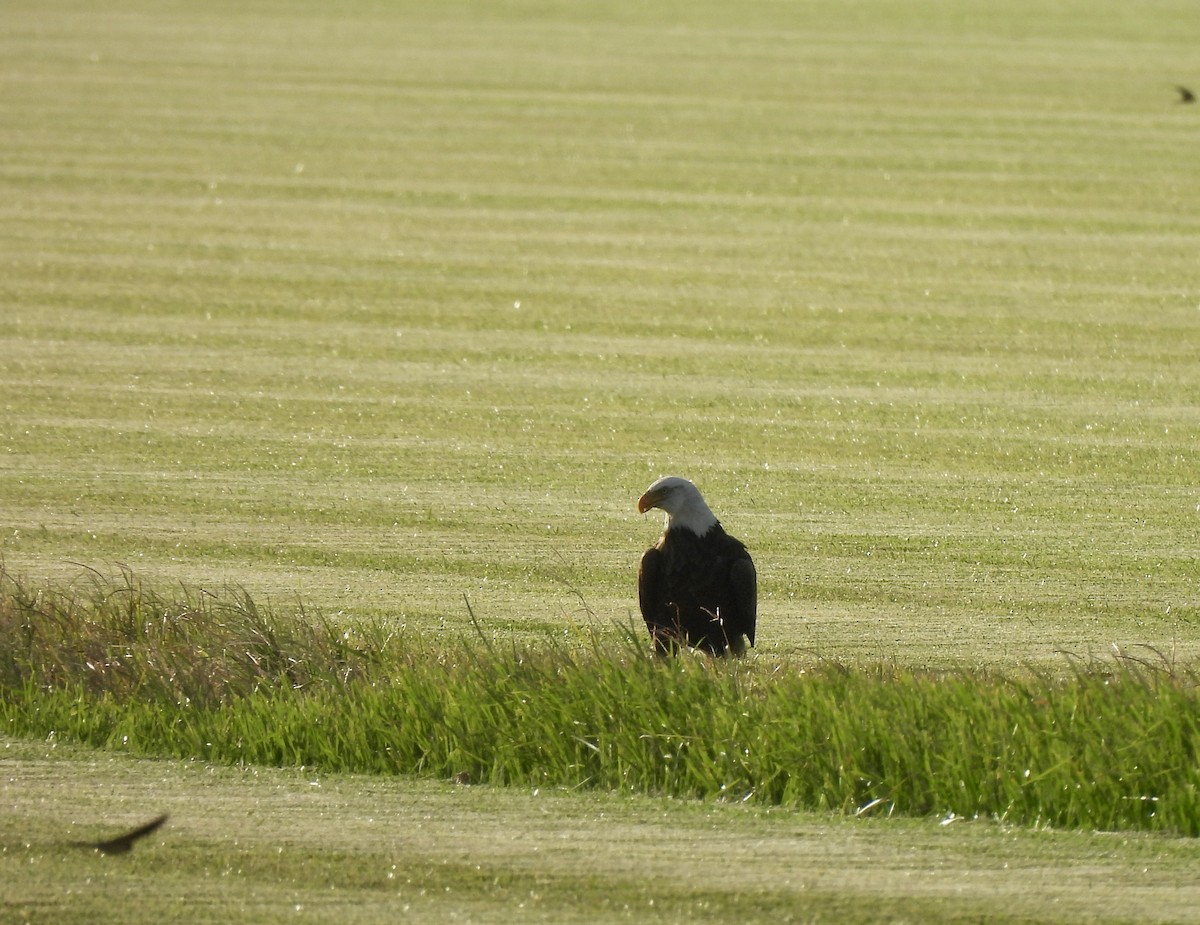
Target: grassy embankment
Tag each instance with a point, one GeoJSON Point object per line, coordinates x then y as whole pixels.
{"type": "Point", "coordinates": [1111, 747]}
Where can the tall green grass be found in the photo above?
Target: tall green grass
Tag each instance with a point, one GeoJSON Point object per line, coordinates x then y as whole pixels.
{"type": "Point", "coordinates": [1109, 745]}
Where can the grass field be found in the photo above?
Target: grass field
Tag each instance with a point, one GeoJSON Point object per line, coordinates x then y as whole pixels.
{"type": "Point", "coordinates": [399, 307]}
{"type": "Point", "coordinates": [411, 303]}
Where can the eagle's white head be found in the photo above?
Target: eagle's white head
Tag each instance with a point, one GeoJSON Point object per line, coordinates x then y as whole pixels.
{"type": "Point", "coordinates": [683, 503]}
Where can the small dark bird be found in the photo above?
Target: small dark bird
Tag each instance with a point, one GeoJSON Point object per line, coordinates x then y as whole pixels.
{"type": "Point", "coordinates": [123, 844]}
{"type": "Point", "coordinates": [1186, 95]}
{"type": "Point", "coordinates": [697, 585]}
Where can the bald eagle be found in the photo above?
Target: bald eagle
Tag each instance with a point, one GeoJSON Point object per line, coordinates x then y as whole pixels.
{"type": "Point", "coordinates": [697, 584]}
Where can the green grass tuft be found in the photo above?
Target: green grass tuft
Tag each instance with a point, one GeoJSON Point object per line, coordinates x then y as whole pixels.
{"type": "Point", "coordinates": [116, 638]}
{"type": "Point", "coordinates": [1108, 745]}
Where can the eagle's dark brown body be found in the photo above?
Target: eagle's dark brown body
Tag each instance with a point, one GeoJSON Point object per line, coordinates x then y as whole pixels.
{"type": "Point", "coordinates": [700, 591]}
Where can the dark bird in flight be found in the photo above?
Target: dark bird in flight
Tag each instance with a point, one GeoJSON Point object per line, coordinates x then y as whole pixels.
{"type": "Point", "coordinates": [697, 585]}
{"type": "Point", "coordinates": [1186, 95]}
{"type": "Point", "coordinates": [123, 844]}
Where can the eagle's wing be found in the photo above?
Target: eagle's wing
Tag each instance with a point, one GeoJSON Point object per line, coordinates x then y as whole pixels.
{"type": "Point", "coordinates": [650, 600]}
{"type": "Point", "coordinates": [743, 583]}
